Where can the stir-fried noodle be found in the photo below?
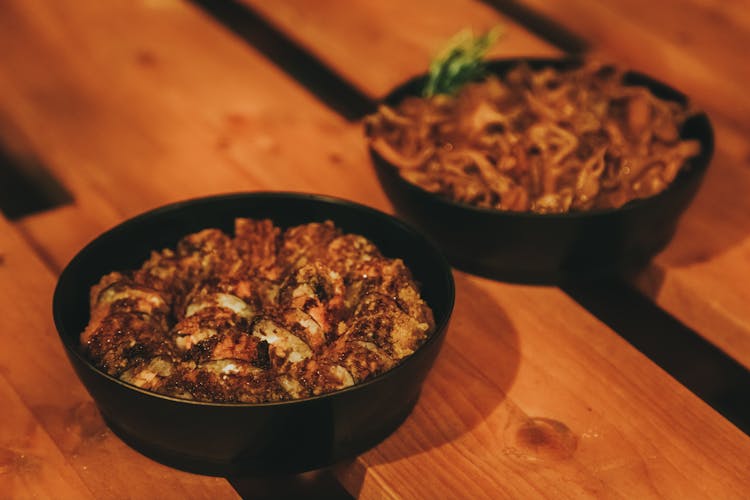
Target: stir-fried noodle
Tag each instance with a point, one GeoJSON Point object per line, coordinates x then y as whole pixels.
{"type": "Point", "coordinates": [546, 141]}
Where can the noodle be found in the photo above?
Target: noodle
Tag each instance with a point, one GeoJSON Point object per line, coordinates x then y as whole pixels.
{"type": "Point", "coordinates": [545, 141]}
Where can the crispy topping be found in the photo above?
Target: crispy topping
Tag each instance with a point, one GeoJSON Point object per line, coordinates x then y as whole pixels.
{"type": "Point", "coordinates": [263, 316]}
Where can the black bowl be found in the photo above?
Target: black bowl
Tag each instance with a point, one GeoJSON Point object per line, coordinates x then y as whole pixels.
{"type": "Point", "coordinates": [251, 439]}
{"type": "Point", "coordinates": [550, 248]}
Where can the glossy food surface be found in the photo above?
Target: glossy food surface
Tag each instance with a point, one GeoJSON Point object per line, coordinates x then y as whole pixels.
{"type": "Point", "coordinates": [544, 140]}
{"type": "Point", "coordinates": [260, 316]}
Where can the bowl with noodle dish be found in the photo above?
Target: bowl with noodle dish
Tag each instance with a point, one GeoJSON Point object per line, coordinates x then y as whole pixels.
{"type": "Point", "coordinates": [544, 169]}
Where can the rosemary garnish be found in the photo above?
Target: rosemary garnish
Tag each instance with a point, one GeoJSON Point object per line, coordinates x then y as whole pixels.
{"type": "Point", "coordinates": [461, 61]}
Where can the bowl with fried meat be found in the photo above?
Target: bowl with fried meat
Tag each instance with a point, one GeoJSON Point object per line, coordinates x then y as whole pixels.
{"type": "Point", "coordinates": [255, 333]}
{"type": "Point", "coordinates": [543, 170]}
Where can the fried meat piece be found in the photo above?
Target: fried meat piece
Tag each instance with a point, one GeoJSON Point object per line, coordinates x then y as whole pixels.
{"type": "Point", "coordinates": [284, 348]}
{"type": "Point", "coordinates": [118, 293]}
{"type": "Point", "coordinates": [122, 340]}
{"type": "Point", "coordinates": [224, 381]}
{"type": "Point", "coordinates": [304, 326]}
{"type": "Point", "coordinates": [263, 316]}
{"type": "Point", "coordinates": [205, 253]}
{"type": "Point", "coordinates": [151, 374]}
{"type": "Point", "coordinates": [379, 320]}
{"type": "Point", "coordinates": [315, 376]}
{"type": "Point", "coordinates": [360, 358]}
{"type": "Point", "coordinates": [306, 243]}
{"type": "Point", "coordinates": [392, 278]}
{"type": "Point", "coordinates": [217, 333]}
{"type": "Point", "coordinates": [317, 290]}
{"type": "Point", "coordinates": [349, 255]}
{"type": "Point", "coordinates": [222, 361]}
{"type": "Point", "coordinates": [127, 327]}
{"type": "Point", "coordinates": [163, 272]}
{"type": "Point", "coordinates": [257, 243]}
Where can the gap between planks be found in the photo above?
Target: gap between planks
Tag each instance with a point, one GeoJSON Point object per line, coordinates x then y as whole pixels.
{"type": "Point", "coordinates": [680, 363]}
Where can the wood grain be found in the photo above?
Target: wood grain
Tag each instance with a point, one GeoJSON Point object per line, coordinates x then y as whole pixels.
{"type": "Point", "coordinates": [692, 279]}
{"type": "Point", "coordinates": [244, 135]}
{"type": "Point", "coordinates": [625, 474]}
{"type": "Point", "coordinates": [376, 45]}
{"type": "Point", "coordinates": [30, 463]}
{"type": "Point", "coordinates": [116, 145]}
{"type": "Point", "coordinates": [46, 399]}
{"type": "Point", "coordinates": [570, 414]}
{"type": "Point", "coordinates": [699, 47]}
{"type": "Point", "coordinates": [532, 396]}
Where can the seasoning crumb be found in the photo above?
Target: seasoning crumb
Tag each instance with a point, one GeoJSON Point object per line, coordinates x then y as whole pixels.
{"type": "Point", "coordinates": [264, 315]}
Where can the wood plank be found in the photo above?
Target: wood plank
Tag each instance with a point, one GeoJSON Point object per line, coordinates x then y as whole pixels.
{"type": "Point", "coordinates": [699, 47]}
{"type": "Point", "coordinates": [478, 420]}
{"type": "Point", "coordinates": [609, 467]}
{"type": "Point", "coordinates": [375, 56]}
{"type": "Point", "coordinates": [516, 414]}
{"type": "Point", "coordinates": [34, 365]}
{"type": "Point", "coordinates": [118, 132]}
{"type": "Point", "coordinates": [57, 235]}
{"type": "Point", "coordinates": [701, 277]}
{"type": "Point", "coordinates": [690, 279]}
{"type": "Point", "coordinates": [78, 222]}
{"type": "Point", "coordinates": [30, 463]}
{"type": "Point", "coordinates": [238, 142]}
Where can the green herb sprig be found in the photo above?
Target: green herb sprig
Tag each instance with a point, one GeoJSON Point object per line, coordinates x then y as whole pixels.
{"type": "Point", "coordinates": [459, 62]}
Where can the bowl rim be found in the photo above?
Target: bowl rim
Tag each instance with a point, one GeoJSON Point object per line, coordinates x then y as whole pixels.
{"type": "Point", "coordinates": [493, 67]}
{"type": "Point", "coordinates": [439, 332]}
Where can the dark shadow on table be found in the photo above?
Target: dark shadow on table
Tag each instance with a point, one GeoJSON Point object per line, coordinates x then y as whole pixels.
{"type": "Point", "coordinates": [319, 79]}
{"type": "Point", "coordinates": [469, 380]}
{"type": "Point", "coordinates": [695, 362]}
{"type": "Point", "coordinates": [315, 484]}
{"type": "Point", "coordinates": [461, 382]}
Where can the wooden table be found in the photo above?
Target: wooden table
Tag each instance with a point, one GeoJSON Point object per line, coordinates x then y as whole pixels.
{"type": "Point", "coordinates": [133, 104]}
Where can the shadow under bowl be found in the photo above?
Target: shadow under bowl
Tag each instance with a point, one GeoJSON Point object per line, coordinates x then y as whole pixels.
{"type": "Point", "coordinates": [252, 439]}
{"type": "Point", "coordinates": [528, 247]}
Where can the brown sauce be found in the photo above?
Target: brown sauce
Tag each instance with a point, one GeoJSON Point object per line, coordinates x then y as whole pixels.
{"type": "Point", "coordinates": [264, 315]}
{"type": "Point", "coordinates": [544, 141]}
